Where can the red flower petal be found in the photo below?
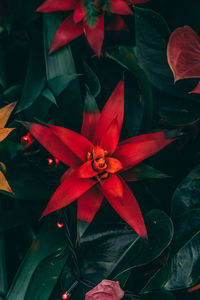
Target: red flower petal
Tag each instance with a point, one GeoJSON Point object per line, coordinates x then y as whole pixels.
{"type": "Point", "coordinates": [114, 165]}
{"type": "Point", "coordinates": [95, 34]}
{"type": "Point", "coordinates": [56, 5]}
{"type": "Point", "coordinates": [66, 174]}
{"type": "Point", "coordinates": [146, 137]}
{"type": "Point", "coordinates": [196, 90]}
{"type": "Point", "coordinates": [69, 190]}
{"type": "Point", "coordinates": [88, 204]}
{"type": "Point", "coordinates": [91, 117]}
{"type": "Point", "coordinates": [73, 140]}
{"type": "Point", "coordinates": [80, 12]}
{"type": "Point", "coordinates": [114, 109]}
{"type": "Point", "coordinates": [132, 153]}
{"type": "Point", "coordinates": [128, 209]}
{"type": "Point", "coordinates": [86, 170]}
{"type": "Point", "coordinates": [109, 140]}
{"type": "Point", "coordinates": [183, 53]}
{"type": "Point", "coordinates": [120, 7]}
{"type": "Point", "coordinates": [53, 144]}
{"type": "Point", "coordinates": [116, 23]}
{"type": "Point", "coordinates": [112, 187]}
{"type": "Point", "coordinates": [67, 32]}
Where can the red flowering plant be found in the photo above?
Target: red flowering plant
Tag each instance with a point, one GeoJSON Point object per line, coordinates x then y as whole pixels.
{"type": "Point", "coordinates": [183, 53]}
{"type": "Point", "coordinates": [88, 19]}
{"type": "Point", "coordinates": [99, 163]}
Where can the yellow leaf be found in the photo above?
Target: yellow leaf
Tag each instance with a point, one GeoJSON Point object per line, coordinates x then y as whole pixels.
{"type": "Point", "coordinates": [5, 113]}
{"type": "Point", "coordinates": [4, 186]}
{"type": "Point", "coordinates": [4, 132]}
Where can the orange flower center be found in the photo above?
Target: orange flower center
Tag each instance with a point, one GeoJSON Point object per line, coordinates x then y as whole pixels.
{"type": "Point", "coordinates": [99, 164]}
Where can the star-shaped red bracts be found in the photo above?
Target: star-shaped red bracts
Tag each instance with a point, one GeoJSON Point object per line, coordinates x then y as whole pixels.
{"type": "Point", "coordinates": [88, 19]}
{"type": "Point", "coordinates": [99, 164]}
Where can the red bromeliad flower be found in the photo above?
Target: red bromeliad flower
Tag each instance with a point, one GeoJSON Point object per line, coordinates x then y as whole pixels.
{"type": "Point", "coordinates": [99, 164]}
{"type": "Point", "coordinates": [87, 18]}
{"type": "Point", "coordinates": [183, 53]}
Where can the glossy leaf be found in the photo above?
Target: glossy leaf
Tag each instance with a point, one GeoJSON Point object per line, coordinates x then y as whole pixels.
{"type": "Point", "coordinates": [127, 249]}
{"type": "Point", "coordinates": [47, 249]}
{"type": "Point", "coordinates": [15, 217]}
{"type": "Point", "coordinates": [125, 57]}
{"type": "Point", "coordinates": [187, 194]}
{"type": "Point", "coordinates": [173, 104]}
{"type": "Point", "coordinates": [60, 68]}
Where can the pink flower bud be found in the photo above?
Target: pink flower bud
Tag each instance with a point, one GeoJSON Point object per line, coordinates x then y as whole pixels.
{"type": "Point", "coordinates": [105, 290]}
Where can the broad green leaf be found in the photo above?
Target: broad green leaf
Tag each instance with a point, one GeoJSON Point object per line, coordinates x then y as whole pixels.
{"type": "Point", "coordinates": [36, 272]}
{"type": "Point", "coordinates": [60, 68]}
{"type": "Point", "coordinates": [125, 57]}
{"type": "Point", "coordinates": [3, 78]}
{"type": "Point", "coordinates": [35, 76]}
{"type": "Point", "coordinates": [159, 295]}
{"type": "Point", "coordinates": [28, 182]}
{"type": "Point", "coordinates": [182, 269]}
{"type": "Point", "coordinates": [173, 103]}
{"type": "Point", "coordinates": [19, 216]}
{"type": "Point", "coordinates": [91, 80]}
{"type": "Point", "coordinates": [187, 194]}
{"type": "Point", "coordinates": [160, 232]}
{"type": "Point", "coordinates": [108, 253]}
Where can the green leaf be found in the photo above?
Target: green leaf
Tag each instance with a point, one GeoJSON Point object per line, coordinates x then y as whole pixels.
{"type": "Point", "coordinates": [18, 216]}
{"type": "Point", "coordinates": [35, 77]}
{"type": "Point", "coordinates": [36, 272]}
{"type": "Point", "coordinates": [49, 95]}
{"type": "Point", "coordinates": [159, 295]}
{"type": "Point", "coordinates": [187, 194]}
{"type": "Point", "coordinates": [60, 68]}
{"type": "Point", "coordinates": [143, 171]}
{"type": "Point", "coordinates": [125, 57]}
{"type": "Point", "coordinates": [160, 232]}
{"type": "Point", "coordinates": [109, 253]}
{"type": "Point", "coordinates": [91, 80]}
{"type": "Point", "coordinates": [2, 69]}
{"type": "Point", "coordinates": [172, 102]}
{"type": "Point", "coordinates": [28, 182]}
{"type": "Point", "coordinates": [182, 269]}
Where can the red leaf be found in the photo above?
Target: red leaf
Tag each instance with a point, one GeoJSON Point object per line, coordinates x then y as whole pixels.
{"type": "Point", "coordinates": [128, 209]}
{"type": "Point", "coordinates": [132, 153]}
{"type": "Point", "coordinates": [53, 144]}
{"type": "Point", "coordinates": [69, 190]}
{"type": "Point", "coordinates": [112, 187]}
{"type": "Point", "coordinates": [183, 53]}
{"type": "Point", "coordinates": [56, 5]}
{"type": "Point", "coordinates": [67, 32]}
{"type": "Point", "coordinates": [91, 117]}
{"type": "Point", "coordinates": [73, 140]}
{"type": "Point", "coordinates": [79, 12]}
{"type": "Point", "coordinates": [114, 109]}
{"type": "Point", "coordinates": [116, 23]}
{"type": "Point", "coordinates": [95, 34]}
{"type": "Point", "coordinates": [120, 7]}
{"type": "Point", "coordinates": [88, 204]}
{"type": "Point", "coordinates": [109, 140]}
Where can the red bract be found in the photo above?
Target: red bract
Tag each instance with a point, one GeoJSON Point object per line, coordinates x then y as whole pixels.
{"type": "Point", "coordinates": [98, 161]}
{"type": "Point", "coordinates": [183, 53]}
{"type": "Point", "coordinates": [87, 18]}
